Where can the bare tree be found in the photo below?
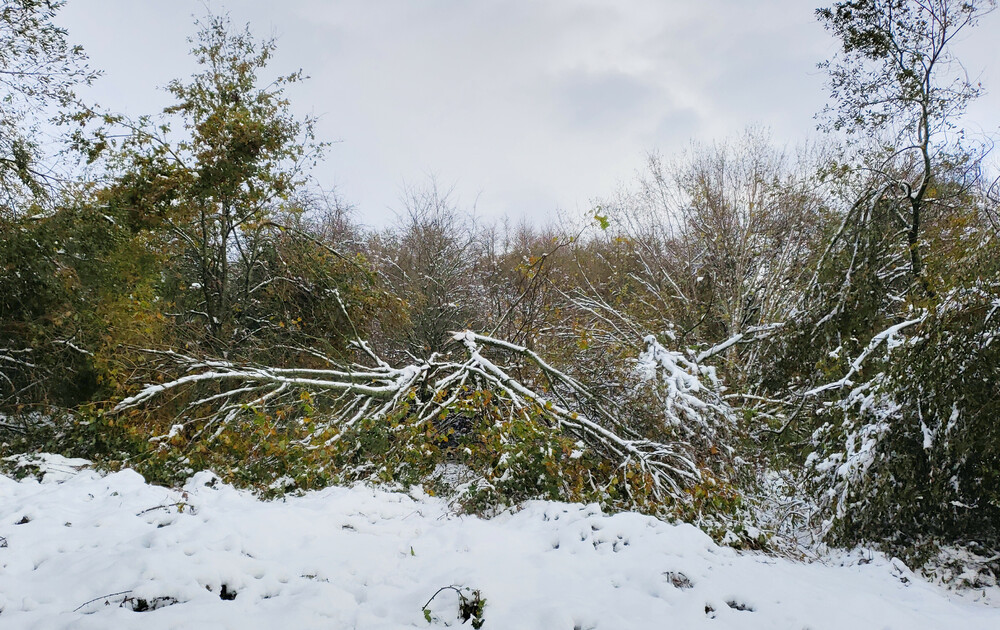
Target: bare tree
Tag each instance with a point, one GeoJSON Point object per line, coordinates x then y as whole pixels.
{"type": "Point", "coordinates": [711, 247]}
{"type": "Point", "coordinates": [429, 262]}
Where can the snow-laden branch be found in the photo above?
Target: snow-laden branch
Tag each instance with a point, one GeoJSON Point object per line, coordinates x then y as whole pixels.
{"type": "Point", "coordinates": [689, 404]}
{"type": "Point", "coordinates": [428, 390]}
{"type": "Point", "coordinates": [719, 348]}
{"type": "Point", "coordinates": [69, 344]}
{"type": "Point", "coordinates": [665, 463]}
{"type": "Point", "coordinates": [384, 385]}
{"type": "Point", "coordinates": [10, 356]}
{"type": "Point", "coordinates": [886, 336]}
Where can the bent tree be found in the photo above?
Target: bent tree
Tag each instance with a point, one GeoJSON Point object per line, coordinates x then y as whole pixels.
{"type": "Point", "coordinates": [896, 367]}
{"type": "Point", "coordinates": [897, 80]}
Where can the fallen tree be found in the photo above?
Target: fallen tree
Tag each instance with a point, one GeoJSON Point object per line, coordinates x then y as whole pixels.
{"type": "Point", "coordinates": [475, 379]}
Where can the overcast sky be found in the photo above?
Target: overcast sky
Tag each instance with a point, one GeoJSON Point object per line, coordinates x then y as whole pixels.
{"type": "Point", "coordinates": [525, 106]}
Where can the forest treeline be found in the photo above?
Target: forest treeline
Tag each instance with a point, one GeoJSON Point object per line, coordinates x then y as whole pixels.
{"type": "Point", "coordinates": [769, 343]}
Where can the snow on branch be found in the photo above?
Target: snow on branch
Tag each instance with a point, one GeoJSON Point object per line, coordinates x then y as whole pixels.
{"type": "Point", "coordinates": [888, 336]}
{"type": "Point", "coordinates": [689, 404]}
{"type": "Point", "coordinates": [427, 391]}
{"type": "Point", "coordinates": [719, 348]}
{"type": "Point", "coordinates": [14, 359]}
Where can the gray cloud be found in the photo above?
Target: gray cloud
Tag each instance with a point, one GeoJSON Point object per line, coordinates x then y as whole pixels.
{"type": "Point", "coordinates": [525, 106]}
{"type": "Point", "coordinates": [591, 100]}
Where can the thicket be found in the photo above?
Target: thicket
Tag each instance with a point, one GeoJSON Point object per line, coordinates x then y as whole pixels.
{"type": "Point", "coordinates": [762, 342]}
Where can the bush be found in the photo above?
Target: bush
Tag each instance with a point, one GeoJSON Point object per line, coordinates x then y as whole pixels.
{"type": "Point", "coordinates": [911, 457]}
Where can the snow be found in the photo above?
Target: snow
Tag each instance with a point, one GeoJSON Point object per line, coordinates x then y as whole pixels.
{"type": "Point", "coordinates": [82, 549]}
{"type": "Point", "coordinates": [891, 338]}
{"type": "Point", "coordinates": [687, 403]}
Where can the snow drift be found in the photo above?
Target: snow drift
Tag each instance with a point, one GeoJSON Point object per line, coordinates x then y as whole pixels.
{"type": "Point", "coordinates": [84, 550]}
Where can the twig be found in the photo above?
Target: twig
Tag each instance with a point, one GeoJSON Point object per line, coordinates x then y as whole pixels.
{"type": "Point", "coordinates": [161, 507]}
{"type": "Point", "coordinates": [436, 593]}
{"type": "Point", "coordinates": [100, 598]}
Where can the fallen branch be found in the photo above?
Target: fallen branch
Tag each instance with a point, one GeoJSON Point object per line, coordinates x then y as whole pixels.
{"type": "Point", "coordinates": [428, 389]}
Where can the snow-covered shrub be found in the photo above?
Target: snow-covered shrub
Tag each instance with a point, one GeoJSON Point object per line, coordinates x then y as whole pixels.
{"type": "Point", "coordinates": [910, 456]}
{"type": "Point", "coordinates": [688, 393]}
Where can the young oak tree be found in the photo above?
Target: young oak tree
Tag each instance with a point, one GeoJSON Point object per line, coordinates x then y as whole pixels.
{"type": "Point", "coordinates": [218, 185]}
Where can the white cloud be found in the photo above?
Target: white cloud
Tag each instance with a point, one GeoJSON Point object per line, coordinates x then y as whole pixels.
{"type": "Point", "coordinates": [526, 106]}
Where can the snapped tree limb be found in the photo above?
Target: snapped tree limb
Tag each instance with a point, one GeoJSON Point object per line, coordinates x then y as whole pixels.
{"type": "Point", "coordinates": [427, 391]}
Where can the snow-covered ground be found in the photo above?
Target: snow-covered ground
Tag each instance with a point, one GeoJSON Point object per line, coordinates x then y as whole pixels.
{"type": "Point", "coordinates": [82, 550]}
